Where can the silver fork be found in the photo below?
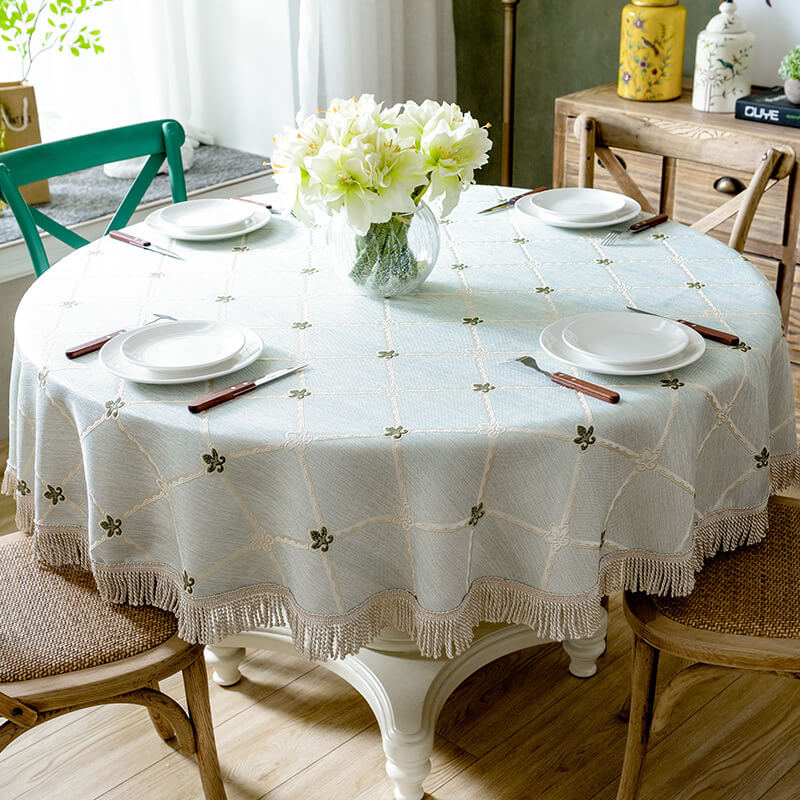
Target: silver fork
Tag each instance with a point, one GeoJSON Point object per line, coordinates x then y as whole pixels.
{"type": "Point", "coordinates": [610, 238]}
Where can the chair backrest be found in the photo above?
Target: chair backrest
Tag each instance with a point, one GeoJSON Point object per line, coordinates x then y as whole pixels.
{"type": "Point", "coordinates": [159, 139]}
{"type": "Point", "coordinates": [768, 164]}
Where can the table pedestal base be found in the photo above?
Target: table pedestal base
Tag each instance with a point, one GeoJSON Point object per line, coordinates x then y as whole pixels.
{"type": "Point", "coordinates": [404, 690]}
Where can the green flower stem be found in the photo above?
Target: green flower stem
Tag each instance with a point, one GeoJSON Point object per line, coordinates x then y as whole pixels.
{"type": "Point", "coordinates": [383, 256]}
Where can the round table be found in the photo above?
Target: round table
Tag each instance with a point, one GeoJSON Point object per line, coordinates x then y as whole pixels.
{"type": "Point", "coordinates": [408, 483]}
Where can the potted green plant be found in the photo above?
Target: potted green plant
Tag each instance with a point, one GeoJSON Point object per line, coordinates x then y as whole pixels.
{"type": "Point", "coordinates": [789, 70]}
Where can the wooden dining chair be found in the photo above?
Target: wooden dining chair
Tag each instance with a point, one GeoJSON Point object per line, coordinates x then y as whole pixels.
{"type": "Point", "coordinates": [160, 139]}
{"type": "Point", "coordinates": [769, 167]}
{"type": "Point", "coordinates": [744, 614]}
{"type": "Point", "coordinates": [63, 648]}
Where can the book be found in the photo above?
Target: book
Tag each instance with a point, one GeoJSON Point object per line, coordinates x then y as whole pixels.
{"type": "Point", "coordinates": [769, 105]}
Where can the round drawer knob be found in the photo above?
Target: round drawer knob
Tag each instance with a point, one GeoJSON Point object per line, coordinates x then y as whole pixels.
{"type": "Point", "coordinates": [728, 185]}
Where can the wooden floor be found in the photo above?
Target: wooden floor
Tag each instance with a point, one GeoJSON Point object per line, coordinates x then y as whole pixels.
{"type": "Point", "coordinates": [522, 728]}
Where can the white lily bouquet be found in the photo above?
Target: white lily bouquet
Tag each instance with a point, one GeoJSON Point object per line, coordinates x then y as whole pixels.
{"type": "Point", "coordinates": [372, 167]}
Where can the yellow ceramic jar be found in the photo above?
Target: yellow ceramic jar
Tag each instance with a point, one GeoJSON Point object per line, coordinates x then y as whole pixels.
{"type": "Point", "coordinates": [651, 50]}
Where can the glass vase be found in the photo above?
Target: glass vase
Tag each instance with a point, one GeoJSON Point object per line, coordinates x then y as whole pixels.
{"type": "Point", "coordinates": [391, 258]}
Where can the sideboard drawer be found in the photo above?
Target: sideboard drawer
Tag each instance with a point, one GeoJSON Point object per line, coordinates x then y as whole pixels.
{"type": "Point", "coordinates": [695, 197]}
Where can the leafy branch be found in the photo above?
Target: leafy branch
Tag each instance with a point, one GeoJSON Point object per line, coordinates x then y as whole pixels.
{"type": "Point", "coordinates": [52, 25]}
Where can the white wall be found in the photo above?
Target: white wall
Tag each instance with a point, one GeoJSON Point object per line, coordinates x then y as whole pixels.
{"type": "Point", "coordinates": [777, 30]}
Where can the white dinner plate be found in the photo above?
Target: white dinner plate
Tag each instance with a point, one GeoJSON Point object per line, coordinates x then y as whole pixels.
{"type": "Point", "coordinates": [629, 211]}
{"type": "Point", "coordinates": [554, 345]}
{"type": "Point", "coordinates": [579, 205]}
{"type": "Point", "coordinates": [623, 338]}
{"type": "Point", "coordinates": [112, 359]}
{"type": "Point", "coordinates": [183, 345]}
{"type": "Point", "coordinates": [207, 215]}
{"type": "Point", "coordinates": [257, 220]}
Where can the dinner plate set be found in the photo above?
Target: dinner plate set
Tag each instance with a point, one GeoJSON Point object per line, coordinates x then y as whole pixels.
{"type": "Point", "coordinates": [209, 219]}
{"type": "Point", "coordinates": [579, 208]}
{"type": "Point", "coordinates": [181, 351]}
{"type": "Point", "coordinates": [622, 343]}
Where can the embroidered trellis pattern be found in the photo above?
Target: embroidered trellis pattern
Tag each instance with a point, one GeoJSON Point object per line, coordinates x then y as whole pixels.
{"type": "Point", "coordinates": [476, 512]}
{"type": "Point", "coordinates": [55, 494]}
{"type": "Point", "coordinates": [502, 479]}
{"type": "Point", "coordinates": [321, 539]}
{"type": "Point", "coordinates": [113, 407]}
{"type": "Point", "coordinates": [214, 461]}
{"type": "Point", "coordinates": [585, 438]}
{"type": "Point", "coordinates": [112, 527]}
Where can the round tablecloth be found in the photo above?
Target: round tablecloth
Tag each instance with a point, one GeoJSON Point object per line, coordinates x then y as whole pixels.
{"type": "Point", "coordinates": [407, 477]}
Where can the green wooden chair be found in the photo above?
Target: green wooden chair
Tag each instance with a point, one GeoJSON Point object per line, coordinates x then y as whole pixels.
{"type": "Point", "coordinates": [159, 139]}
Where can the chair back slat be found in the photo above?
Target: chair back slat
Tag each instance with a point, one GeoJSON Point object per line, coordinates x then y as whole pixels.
{"type": "Point", "coordinates": [159, 139]}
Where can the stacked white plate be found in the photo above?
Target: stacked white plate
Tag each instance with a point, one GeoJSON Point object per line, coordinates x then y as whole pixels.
{"type": "Point", "coordinates": [622, 343]}
{"type": "Point", "coordinates": [208, 219]}
{"type": "Point", "coordinates": [184, 351]}
{"type": "Point", "coordinates": [579, 208]}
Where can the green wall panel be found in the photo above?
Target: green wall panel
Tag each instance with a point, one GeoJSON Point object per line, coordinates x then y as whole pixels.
{"type": "Point", "coordinates": [562, 46]}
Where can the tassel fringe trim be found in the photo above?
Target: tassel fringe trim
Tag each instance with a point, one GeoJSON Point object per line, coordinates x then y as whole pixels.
{"type": "Point", "coordinates": [322, 637]}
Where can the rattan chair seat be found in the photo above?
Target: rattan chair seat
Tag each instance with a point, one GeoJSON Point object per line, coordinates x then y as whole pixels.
{"type": "Point", "coordinates": [752, 591]}
{"type": "Point", "coordinates": [53, 621]}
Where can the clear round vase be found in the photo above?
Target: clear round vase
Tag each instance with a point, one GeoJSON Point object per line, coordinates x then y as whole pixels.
{"type": "Point", "coordinates": [391, 258]}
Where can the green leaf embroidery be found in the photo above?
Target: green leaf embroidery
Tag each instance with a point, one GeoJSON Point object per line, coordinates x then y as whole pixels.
{"type": "Point", "coordinates": [299, 393]}
{"type": "Point", "coordinates": [659, 236]}
{"type": "Point", "coordinates": [301, 326]}
{"type": "Point", "coordinates": [242, 248]}
{"type": "Point", "coordinates": [604, 261]}
{"type": "Point", "coordinates": [309, 270]}
{"type": "Point", "coordinates": [214, 460]}
{"type": "Point", "coordinates": [695, 285]}
{"type": "Point", "coordinates": [744, 347]}
{"type": "Point", "coordinates": [476, 512]}
{"type": "Point", "coordinates": [112, 527]}
{"type": "Point", "coordinates": [321, 539]}
{"type": "Point", "coordinates": [68, 304]}
{"type": "Point", "coordinates": [471, 320]}
{"type": "Point", "coordinates": [113, 407]}
{"type": "Point", "coordinates": [397, 432]}
{"type": "Point", "coordinates": [482, 387]}
{"type": "Point", "coordinates": [54, 494]}
{"type": "Point", "coordinates": [585, 437]}
{"type": "Point", "coordinates": [225, 298]}
{"type": "Point", "coordinates": [459, 266]}
{"type": "Point", "coordinates": [762, 458]}
{"type": "Point", "coordinates": [673, 383]}
{"type": "Point", "coordinates": [388, 354]}
{"type": "Point", "coordinates": [520, 240]}
{"type": "Point", "coordinates": [42, 376]}
{"type": "Point", "coordinates": [22, 488]}
{"type": "Point", "coordinates": [544, 290]}
{"type": "Point", "coordinates": [188, 583]}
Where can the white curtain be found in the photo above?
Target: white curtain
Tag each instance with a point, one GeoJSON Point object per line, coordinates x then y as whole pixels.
{"type": "Point", "coordinates": [395, 49]}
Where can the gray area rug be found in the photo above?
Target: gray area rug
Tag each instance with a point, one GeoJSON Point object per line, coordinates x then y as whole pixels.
{"type": "Point", "coordinates": [89, 194]}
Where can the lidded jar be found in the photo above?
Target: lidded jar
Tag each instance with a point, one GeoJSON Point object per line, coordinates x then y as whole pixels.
{"type": "Point", "coordinates": [723, 61]}
{"type": "Point", "coordinates": [651, 50]}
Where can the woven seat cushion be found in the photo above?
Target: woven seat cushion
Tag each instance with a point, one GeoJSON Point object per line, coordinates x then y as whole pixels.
{"type": "Point", "coordinates": [52, 620]}
{"type": "Point", "coordinates": [752, 591]}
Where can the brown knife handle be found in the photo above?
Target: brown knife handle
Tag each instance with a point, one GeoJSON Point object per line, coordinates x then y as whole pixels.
{"type": "Point", "coordinates": [592, 389]}
{"type": "Point", "coordinates": [90, 347]}
{"type": "Point", "coordinates": [712, 333]}
{"type": "Point", "coordinates": [220, 396]}
{"type": "Point", "coordinates": [650, 222]}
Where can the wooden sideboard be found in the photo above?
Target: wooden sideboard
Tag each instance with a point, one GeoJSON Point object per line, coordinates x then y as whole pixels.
{"type": "Point", "coordinates": [685, 189]}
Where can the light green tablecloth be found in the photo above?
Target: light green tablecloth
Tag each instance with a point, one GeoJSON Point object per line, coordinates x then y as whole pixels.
{"type": "Point", "coordinates": [407, 477]}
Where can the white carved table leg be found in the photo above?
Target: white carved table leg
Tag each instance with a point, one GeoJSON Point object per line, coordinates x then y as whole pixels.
{"type": "Point", "coordinates": [583, 653]}
{"type": "Point", "coordinates": [225, 661]}
{"type": "Point", "coordinates": [405, 691]}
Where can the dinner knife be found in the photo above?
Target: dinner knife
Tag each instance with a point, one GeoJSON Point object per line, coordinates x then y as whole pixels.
{"type": "Point", "coordinates": [144, 244]}
{"type": "Point", "coordinates": [569, 381]}
{"type": "Point", "coordinates": [723, 337]}
{"type": "Point", "coordinates": [512, 200]}
{"type": "Point", "coordinates": [222, 395]}
{"type": "Point", "coordinates": [96, 344]}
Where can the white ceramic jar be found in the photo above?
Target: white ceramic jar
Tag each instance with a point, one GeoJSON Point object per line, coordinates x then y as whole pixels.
{"type": "Point", "coordinates": [723, 61]}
